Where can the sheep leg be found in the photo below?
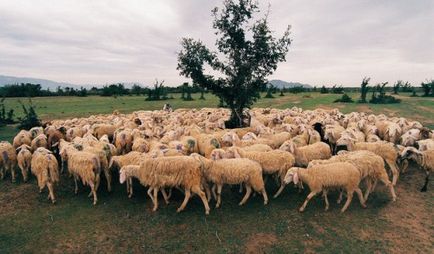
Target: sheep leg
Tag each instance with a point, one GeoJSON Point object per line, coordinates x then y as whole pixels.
{"type": "Point", "coordinates": [368, 188]}
{"type": "Point", "coordinates": [155, 200]}
{"type": "Point", "coordinates": [2, 174]}
{"type": "Point", "coordinates": [51, 192]}
{"type": "Point", "coordinates": [214, 192]}
{"type": "Point", "coordinates": [130, 187]}
{"type": "Point", "coordinates": [404, 166]}
{"type": "Point", "coordinates": [341, 193]}
{"type": "Point", "coordinates": [395, 171]}
{"type": "Point", "coordinates": [108, 178]}
{"type": "Point", "coordinates": [93, 189]}
{"type": "Point", "coordinates": [241, 188]}
{"type": "Point", "coordinates": [349, 198]}
{"type": "Point", "coordinates": [264, 195]}
{"type": "Point", "coordinates": [311, 195]}
{"type": "Point", "coordinates": [166, 198]}
{"type": "Point", "coordinates": [282, 186]}
{"type": "Point", "coordinates": [247, 195]}
{"type": "Point", "coordinates": [361, 199]}
{"type": "Point", "coordinates": [186, 199]}
{"type": "Point", "coordinates": [149, 192]}
{"type": "Point", "coordinates": [324, 194]}
{"type": "Point", "coordinates": [170, 193]}
{"type": "Point", "coordinates": [425, 186]}
{"type": "Point", "coordinates": [219, 194]}
{"type": "Point", "coordinates": [76, 185]}
{"type": "Point", "coordinates": [12, 173]}
{"type": "Point", "coordinates": [202, 196]}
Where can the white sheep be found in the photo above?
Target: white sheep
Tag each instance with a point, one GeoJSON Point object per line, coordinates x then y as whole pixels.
{"type": "Point", "coordinates": [303, 155]}
{"type": "Point", "coordinates": [46, 170]}
{"type": "Point", "coordinates": [234, 171]}
{"type": "Point", "coordinates": [176, 171]}
{"type": "Point", "coordinates": [8, 159]}
{"type": "Point", "coordinates": [370, 165]}
{"type": "Point", "coordinates": [424, 159]}
{"type": "Point", "coordinates": [321, 178]}
{"type": "Point", "coordinates": [85, 166]}
{"type": "Point", "coordinates": [24, 159]}
{"type": "Point", "coordinates": [274, 162]}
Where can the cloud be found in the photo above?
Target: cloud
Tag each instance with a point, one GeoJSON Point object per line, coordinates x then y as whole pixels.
{"type": "Point", "coordinates": [94, 42]}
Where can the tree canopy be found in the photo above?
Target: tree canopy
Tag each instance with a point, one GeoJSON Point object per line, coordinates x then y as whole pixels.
{"type": "Point", "coordinates": [247, 54]}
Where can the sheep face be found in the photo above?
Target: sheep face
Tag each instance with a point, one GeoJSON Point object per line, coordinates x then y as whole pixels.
{"type": "Point", "coordinates": [122, 176]}
{"type": "Point", "coordinates": [249, 136]}
{"type": "Point", "coordinates": [291, 176]}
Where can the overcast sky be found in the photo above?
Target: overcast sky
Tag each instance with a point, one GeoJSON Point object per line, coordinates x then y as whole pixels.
{"type": "Point", "coordinates": [334, 42]}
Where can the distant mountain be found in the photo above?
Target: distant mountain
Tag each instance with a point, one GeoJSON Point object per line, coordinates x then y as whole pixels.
{"type": "Point", "coordinates": [45, 83]}
{"type": "Point", "coordinates": [283, 84]}
{"type": "Point", "coordinates": [52, 85]}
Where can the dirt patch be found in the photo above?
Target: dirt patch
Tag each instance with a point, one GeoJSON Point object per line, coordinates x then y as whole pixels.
{"type": "Point", "coordinates": [390, 112]}
{"type": "Point", "coordinates": [258, 242]}
{"type": "Point", "coordinates": [364, 108]}
{"type": "Point", "coordinates": [410, 218]}
{"type": "Point", "coordinates": [426, 109]}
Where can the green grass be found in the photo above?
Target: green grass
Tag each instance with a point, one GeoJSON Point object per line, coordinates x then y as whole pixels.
{"type": "Point", "coordinates": [29, 223]}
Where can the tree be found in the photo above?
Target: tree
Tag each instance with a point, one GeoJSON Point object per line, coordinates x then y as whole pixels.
{"type": "Point", "coordinates": [249, 53]}
{"type": "Point", "coordinates": [30, 118]}
{"type": "Point", "coordinates": [324, 90]}
{"type": "Point", "coordinates": [364, 89]}
{"type": "Point", "coordinates": [269, 92]}
{"type": "Point", "coordinates": [396, 86]}
{"type": "Point", "coordinates": [427, 87]}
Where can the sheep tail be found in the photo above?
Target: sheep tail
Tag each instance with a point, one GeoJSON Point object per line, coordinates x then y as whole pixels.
{"type": "Point", "coordinates": [96, 166]}
{"type": "Point", "coordinates": [5, 156]}
{"type": "Point", "coordinates": [53, 169]}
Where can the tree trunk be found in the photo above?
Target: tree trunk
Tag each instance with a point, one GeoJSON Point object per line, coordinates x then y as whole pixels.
{"type": "Point", "coordinates": [236, 119]}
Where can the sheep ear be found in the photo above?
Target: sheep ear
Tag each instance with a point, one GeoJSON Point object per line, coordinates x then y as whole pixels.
{"type": "Point", "coordinates": [236, 154]}
{"type": "Point", "coordinates": [288, 178]}
{"type": "Point", "coordinates": [295, 178]}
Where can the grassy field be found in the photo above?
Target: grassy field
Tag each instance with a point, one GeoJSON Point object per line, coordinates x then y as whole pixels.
{"type": "Point", "coordinates": [30, 224]}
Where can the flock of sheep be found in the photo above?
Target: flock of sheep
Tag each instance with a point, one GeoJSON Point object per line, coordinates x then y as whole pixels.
{"type": "Point", "coordinates": [190, 150]}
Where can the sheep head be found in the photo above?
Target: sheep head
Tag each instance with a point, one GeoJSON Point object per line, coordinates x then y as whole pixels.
{"type": "Point", "coordinates": [292, 176]}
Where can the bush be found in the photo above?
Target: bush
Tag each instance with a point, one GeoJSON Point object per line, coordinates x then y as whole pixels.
{"type": "Point", "coordinates": [6, 117]}
{"type": "Point", "coordinates": [344, 99]}
{"type": "Point", "coordinates": [324, 90]}
{"type": "Point", "coordinates": [30, 118]}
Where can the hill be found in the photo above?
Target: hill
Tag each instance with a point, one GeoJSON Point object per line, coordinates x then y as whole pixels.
{"type": "Point", "coordinates": [283, 84]}
{"type": "Point", "coordinates": [45, 83]}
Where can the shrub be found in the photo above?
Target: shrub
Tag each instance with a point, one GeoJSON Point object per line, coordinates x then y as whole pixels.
{"type": "Point", "coordinates": [324, 90]}
{"type": "Point", "coordinates": [344, 99]}
{"type": "Point", "coordinates": [6, 117]}
{"type": "Point", "coordinates": [30, 118]}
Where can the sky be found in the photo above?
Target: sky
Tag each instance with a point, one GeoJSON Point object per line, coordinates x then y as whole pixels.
{"type": "Point", "coordinates": [106, 41]}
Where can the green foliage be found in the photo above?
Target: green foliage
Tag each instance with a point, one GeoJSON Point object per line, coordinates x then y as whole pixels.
{"type": "Point", "coordinates": [269, 94]}
{"type": "Point", "coordinates": [379, 95]}
{"type": "Point", "coordinates": [345, 99]}
{"type": "Point", "coordinates": [407, 87]}
{"type": "Point", "coordinates": [324, 90]}
{"type": "Point", "coordinates": [114, 90]}
{"type": "Point", "coordinates": [30, 118]}
{"type": "Point", "coordinates": [428, 88]}
{"type": "Point", "coordinates": [396, 86]}
{"type": "Point", "coordinates": [158, 93]}
{"type": "Point", "coordinates": [337, 89]}
{"type": "Point", "coordinates": [247, 60]}
{"type": "Point", "coordinates": [364, 88]}
{"type": "Point", "coordinates": [6, 117]}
